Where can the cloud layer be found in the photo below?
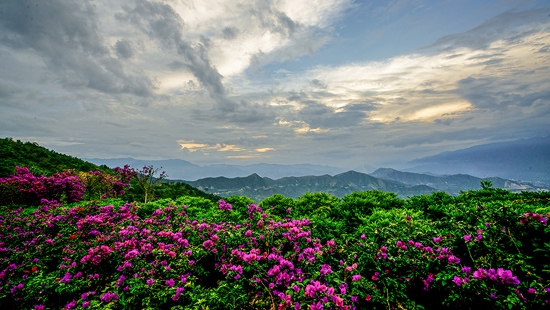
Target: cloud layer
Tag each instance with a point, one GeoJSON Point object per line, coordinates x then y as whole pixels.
{"type": "Point", "coordinates": [217, 81]}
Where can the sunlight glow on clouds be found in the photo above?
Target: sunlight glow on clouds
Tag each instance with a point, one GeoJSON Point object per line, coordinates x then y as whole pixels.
{"type": "Point", "coordinates": [292, 81]}
{"type": "Point", "coordinates": [191, 146]}
{"type": "Point", "coordinates": [425, 87]}
{"type": "Point", "coordinates": [264, 149]}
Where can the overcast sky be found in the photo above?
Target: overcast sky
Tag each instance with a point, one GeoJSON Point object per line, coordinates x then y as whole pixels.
{"type": "Point", "coordinates": [335, 82]}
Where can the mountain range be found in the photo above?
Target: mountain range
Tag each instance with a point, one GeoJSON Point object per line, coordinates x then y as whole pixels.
{"type": "Point", "coordinates": [389, 180]}
{"type": "Point", "coordinates": [182, 169]}
{"type": "Point", "coordinates": [525, 159]}
{"type": "Point", "coordinates": [522, 160]}
{"type": "Point", "coordinates": [257, 187]}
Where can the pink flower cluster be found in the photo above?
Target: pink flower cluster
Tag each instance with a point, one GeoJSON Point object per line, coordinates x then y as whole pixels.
{"type": "Point", "coordinates": [534, 217]}
{"type": "Point", "coordinates": [499, 275]}
{"type": "Point", "coordinates": [26, 188]}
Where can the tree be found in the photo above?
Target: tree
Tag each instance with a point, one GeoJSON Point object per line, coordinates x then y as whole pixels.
{"type": "Point", "coordinates": [486, 184]}
{"type": "Point", "coordinates": [146, 179]}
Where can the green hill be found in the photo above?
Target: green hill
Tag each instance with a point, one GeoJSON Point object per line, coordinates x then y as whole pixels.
{"type": "Point", "coordinates": [42, 161]}
{"type": "Point", "coordinates": [38, 159]}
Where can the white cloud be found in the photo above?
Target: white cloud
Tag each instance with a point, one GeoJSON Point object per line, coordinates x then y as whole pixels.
{"type": "Point", "coordinates": [426, 87]}
{"type": "Point", "coordinates": [264, 149]}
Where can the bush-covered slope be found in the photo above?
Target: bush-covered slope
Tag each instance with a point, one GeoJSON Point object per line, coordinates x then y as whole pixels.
{"type": "Point", "coordinates": [369, 250]}
{"type": "Point", "coordinates": [38, 159]}
{"type": "Point", "coordinates": [45, 163]}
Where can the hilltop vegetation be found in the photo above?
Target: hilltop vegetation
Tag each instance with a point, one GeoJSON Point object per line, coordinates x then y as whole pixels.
{"type": "Point", "coordinates": [91, 179]}
{"type": "Point", "coordinates": [38, 159]}
{"type": "Point", "coordinates": [367, 250]}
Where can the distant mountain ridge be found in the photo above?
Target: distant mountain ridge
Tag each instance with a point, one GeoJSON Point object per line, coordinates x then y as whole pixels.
{"type": "Point", "coordinates": [257, 187]}
{"type": "Point", "coordinates": [184, 170]}
{"type": "Point", "coordinates": [525, 159]}
{"type": "Point", "coordinates": [451, 184]}
{"type": "Point", "coordinates": [404, 184]}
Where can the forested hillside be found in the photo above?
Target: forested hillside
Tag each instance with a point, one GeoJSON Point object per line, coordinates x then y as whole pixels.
{"type": "Point", "coordinates": [43, 163]}
{"type": "Point", "coordinates": [38, 159]}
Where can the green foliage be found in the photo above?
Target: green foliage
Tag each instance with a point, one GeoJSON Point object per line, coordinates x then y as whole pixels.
{"type": "Point", "coordinates": [434, 205]}
{"type": "Point", "coordinates": [240, 204]}
{"type": "Point", "coordinates": [38, 159]}
{"type": "Point", "coordinates": [420, 253]}
{"type": "Point", "coordinates": [166, 189]}
{"type": "Point", "coordinates": [278, 204]}
{"type": "Point", "coordinates": [196, 207]}
{"type": "Point", "coordinates": [356, 206]}
{"type": "Point", "coordinates": [371, 250]}
{"type": "Point", "coordinates": [486, 184]}
{"type": "Point", "coordinates": [312, 202]}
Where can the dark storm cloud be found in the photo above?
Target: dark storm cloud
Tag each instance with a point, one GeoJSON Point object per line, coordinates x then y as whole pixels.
{"type": "Point", "coordinates": [65, 34]}
{"type": "Point", "coordinates": [319, 115]}
{"type": "Point", "coordinates": [318, 84]}
{"type": "Point", "coordinates": [8, 90]}
{"type": "Point", "coordinates": [176, 65]}
{"type": "Point", "coordinates": [124, 49]}
{"type": "Point", "coordinates": [229, 33]}
{"type": "Point", "coordinates": [496, 28]}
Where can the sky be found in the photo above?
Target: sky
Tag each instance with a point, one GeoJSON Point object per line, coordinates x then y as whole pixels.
{"type": "Point", "coordinates": [341, 83]}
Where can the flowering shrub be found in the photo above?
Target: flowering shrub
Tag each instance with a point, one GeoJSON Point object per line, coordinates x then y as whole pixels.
{"type": "Point", "coordinates": [232, 256]}
{"type": "Point", "coordinates": [100, 185]}
{"type": "Point", "coordinates": [27, 189]}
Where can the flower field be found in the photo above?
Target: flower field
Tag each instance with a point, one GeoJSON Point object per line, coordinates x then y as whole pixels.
{"type": "Point", "coordinates": [368, 250]}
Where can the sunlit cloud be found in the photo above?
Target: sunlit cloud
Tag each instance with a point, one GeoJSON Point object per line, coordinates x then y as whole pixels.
{"type": "Point", "coordinates": [264, 149]}
{"type": "Point", "coordinates": [191, 146]}
{"type": "Point", "coordinates": [228, 148]}
{"type": "Point", "coordinates": [306, 129]}
{"type": "Point", "coordinates": [426, 87]}
{"type": "Point", "coordinates": [242, 156]}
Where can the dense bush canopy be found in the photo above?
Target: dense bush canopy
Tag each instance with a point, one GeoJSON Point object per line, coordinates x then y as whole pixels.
{"type": "Point", "coordinates": [485, 248]}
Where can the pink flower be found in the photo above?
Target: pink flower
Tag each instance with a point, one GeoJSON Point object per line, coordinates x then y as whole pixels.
{"type": "Point", "coordinates": [457, 280]}
{"type": "Point", "coordinates": [208, 244]}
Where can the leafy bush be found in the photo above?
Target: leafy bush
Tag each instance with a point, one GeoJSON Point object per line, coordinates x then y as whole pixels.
{"type": "Point", "coordinates": [311, 202]}
{"type": "Point", "coordinates": [190, 253]}
{"type": "Point", "coordinates": [278, 205]}
{"type": "Point", "coordinates": [356, 206]}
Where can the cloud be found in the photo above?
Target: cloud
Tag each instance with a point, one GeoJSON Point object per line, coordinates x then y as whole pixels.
{"type": "Point", "coordinates": [66, 36]}
{"type": "Point", "coordinates": [242, 156]}
{"type": "Point", "coordinates": [229, 33]}
{"type": "Point", "coordinates": [428, 87]}
{"type": "Point", "coordinates": [211, 80]}
{"type": "Point", "coordinates": [264, 149]}
{"type": "Point", "coordinates": [162, 23]}
{"type": "Point", "coordinates": [510, 26]}
{"type": "Point", "coordinates": [124, 49]}
{"type": "Point", "coordinates": [191, 146]}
